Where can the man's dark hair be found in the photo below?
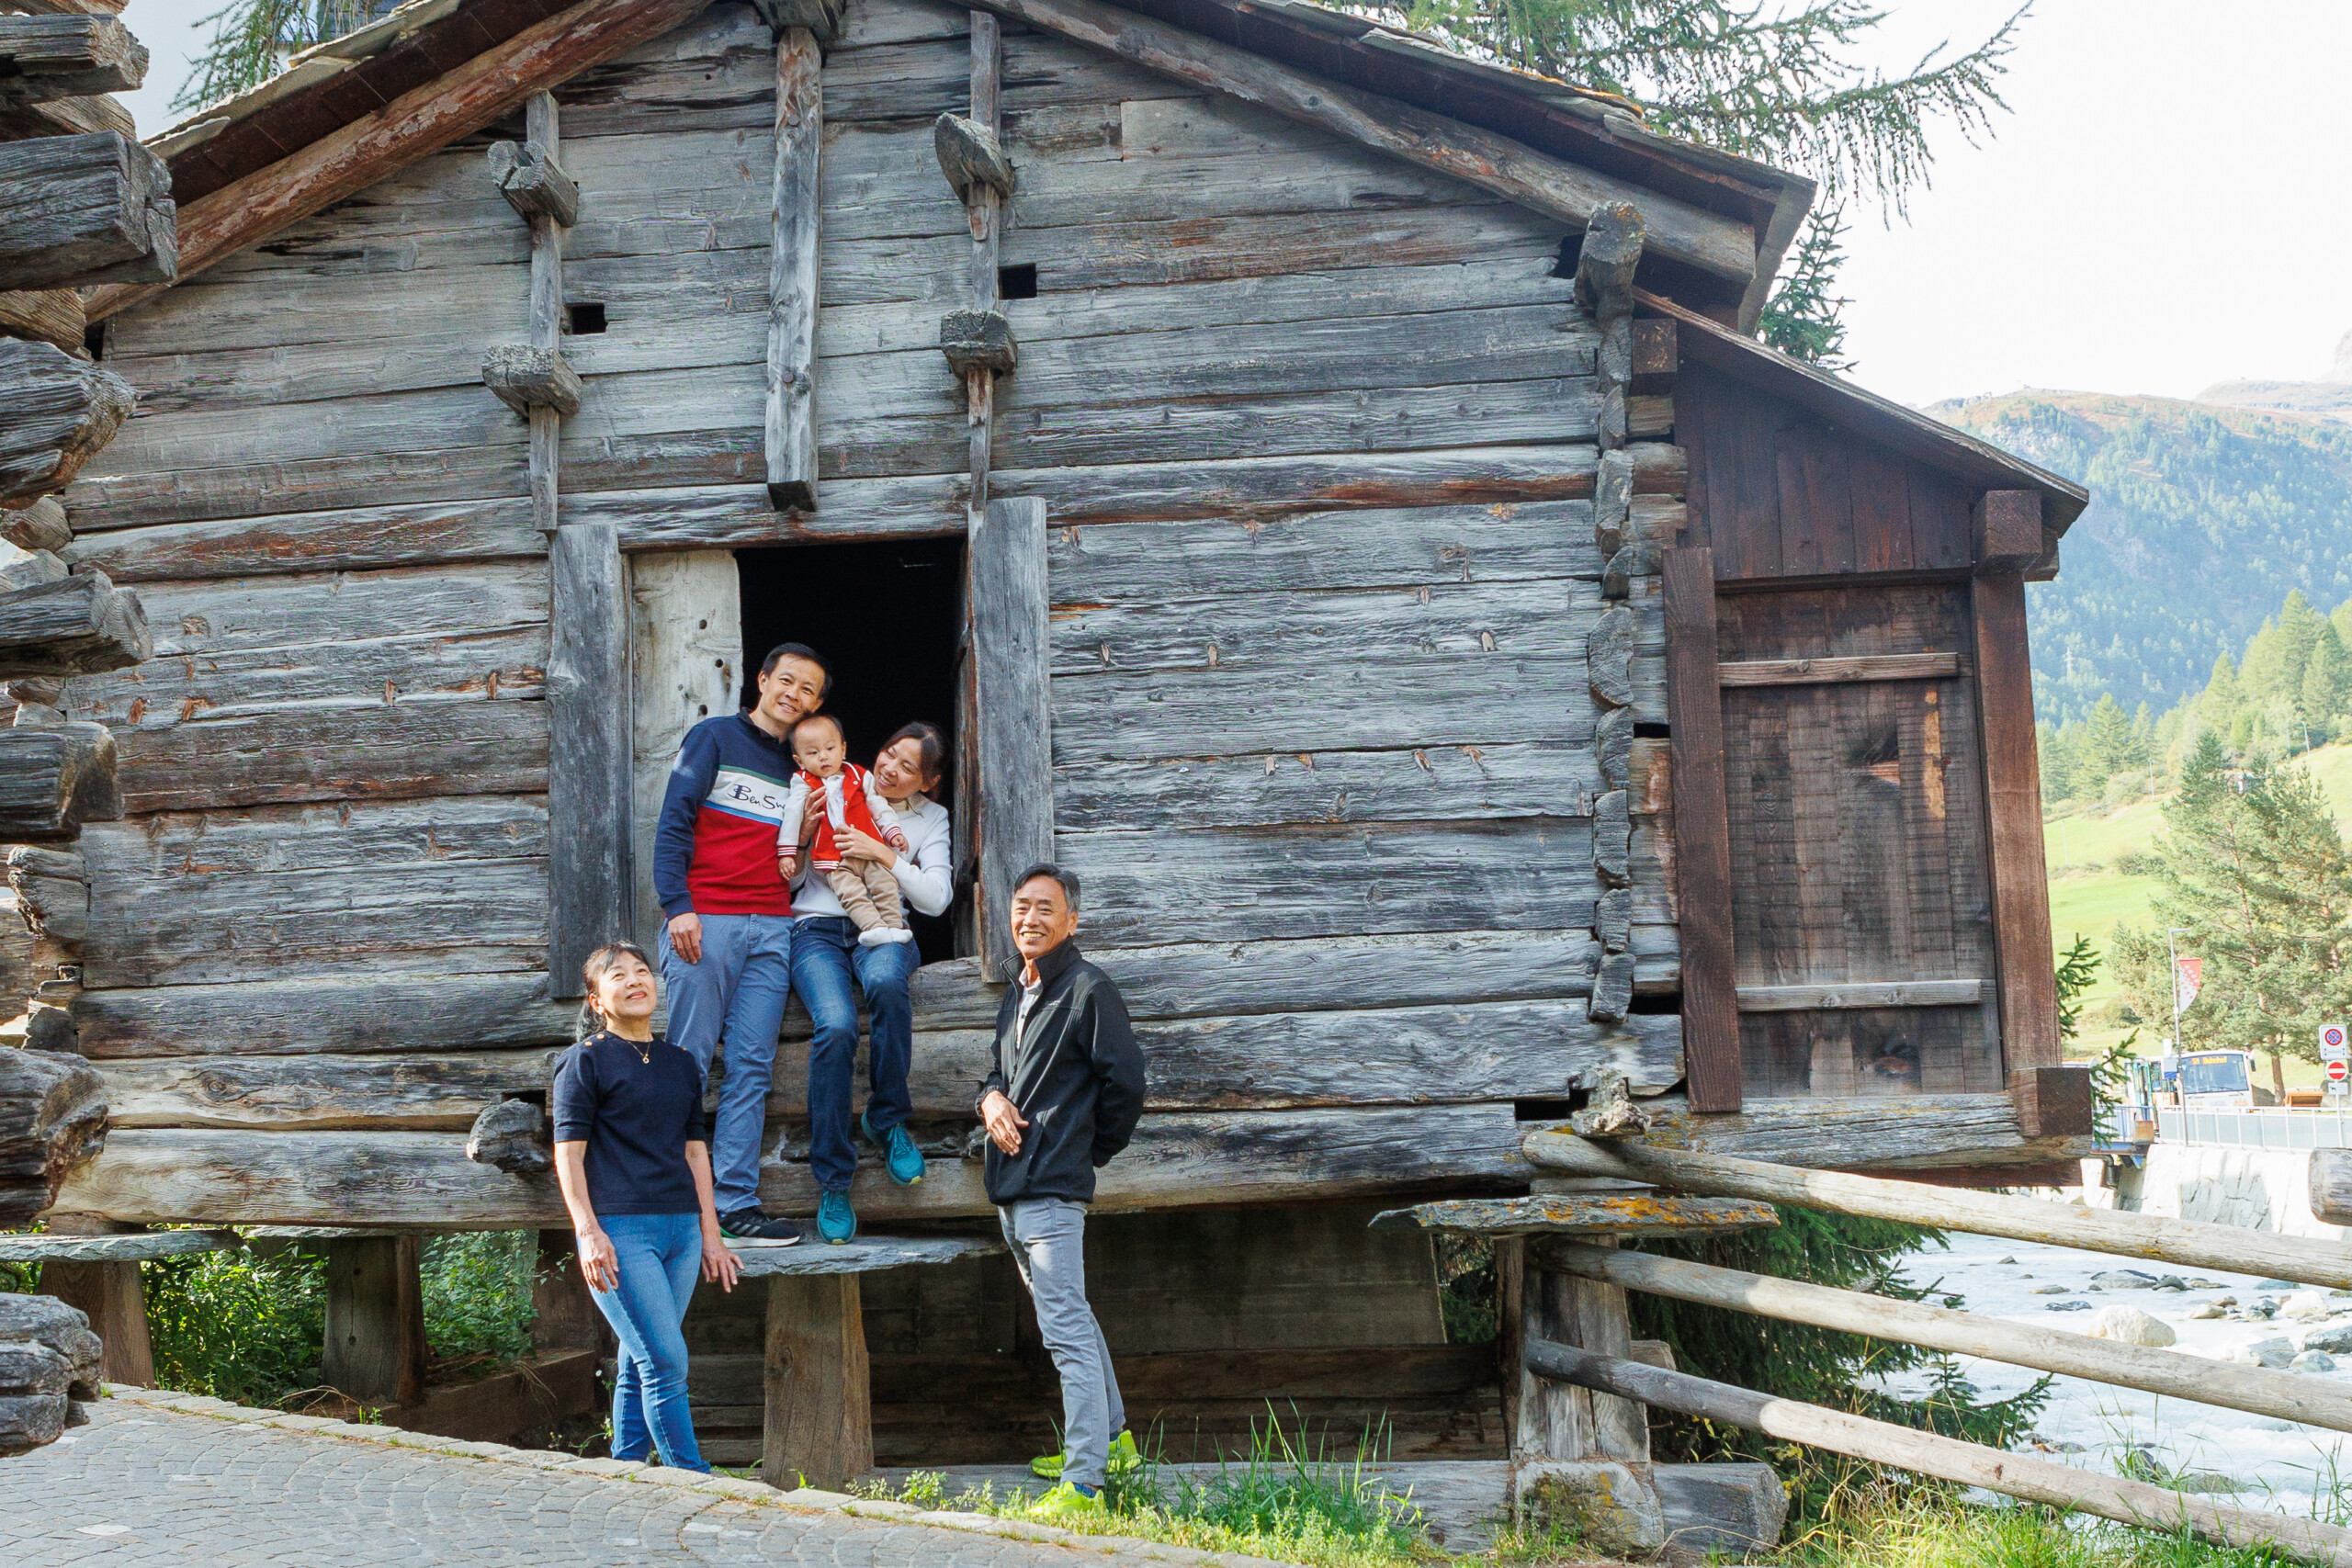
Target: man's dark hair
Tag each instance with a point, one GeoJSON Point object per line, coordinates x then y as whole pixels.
{"type": "Point", "coordinates": [799, 650]}
{"type": "Point", "coordinates": [1068, 879]}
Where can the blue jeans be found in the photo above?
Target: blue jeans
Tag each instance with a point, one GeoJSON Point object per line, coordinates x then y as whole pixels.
{"type": "Point", "coordinates": [824, 956]}
{"type": "Point", "coordinates": [659, 1256]}
{"type": "Point", "coordinates": [736, 993]}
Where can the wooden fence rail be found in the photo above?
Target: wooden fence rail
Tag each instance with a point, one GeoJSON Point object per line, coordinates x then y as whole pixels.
{"type": "Point", "coordinates": [1948, 1458]}
{"type": "Point", "coordinates": [2147, 1236]}
{"type": "Point", "coordinates": [2291, 1396]}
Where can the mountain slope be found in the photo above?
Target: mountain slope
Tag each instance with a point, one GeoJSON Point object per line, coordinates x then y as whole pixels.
{"type": "Point", "coordinates": [2201, 519]}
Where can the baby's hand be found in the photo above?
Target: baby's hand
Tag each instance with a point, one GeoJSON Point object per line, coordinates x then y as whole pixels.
{"type": "Point", "coordinates": [898, 840]}
{"type": "Point", "coordinates": [789, 863]}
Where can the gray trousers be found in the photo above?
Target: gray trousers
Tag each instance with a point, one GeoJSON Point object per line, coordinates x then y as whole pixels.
{"type": "Point", "coordinates": [1048, 1236]}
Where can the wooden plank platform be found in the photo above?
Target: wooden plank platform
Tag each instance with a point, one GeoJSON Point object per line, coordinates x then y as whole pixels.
{"type": "Point", "coordinates": [1582, 1214]}
{"type": "Point", "coordinates": [767, 1258]}
{"type": "Point", "coordinates": [142, 1247]}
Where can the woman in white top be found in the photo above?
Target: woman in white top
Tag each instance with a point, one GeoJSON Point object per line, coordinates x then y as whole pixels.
{"type": "Point", "coordinates": [825, 953]}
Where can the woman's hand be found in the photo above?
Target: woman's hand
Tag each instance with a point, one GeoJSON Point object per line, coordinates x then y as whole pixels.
{"type": "Point", "coordinates": [1004, 1122]}
{"type": "Point", "coordinates": [599, 1265]}
{"type": "Point", "coordinates": [854, 845]}
{"type": "Point", "coordinates": [718, 1260]}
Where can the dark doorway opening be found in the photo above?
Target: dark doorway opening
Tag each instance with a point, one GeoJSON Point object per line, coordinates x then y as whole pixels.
{"type": "Point", "coordinates": [886, 617]}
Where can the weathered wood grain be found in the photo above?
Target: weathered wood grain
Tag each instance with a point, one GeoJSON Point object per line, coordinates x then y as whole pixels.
{"type": "Point", "coordinates": [360, 1012]}
{"type": "Point", "coordinates": [686, 663]}
{"type": "Point", "coordinates": [1704, 889]}
{"type": "Point", "coordinates": [61, 411]}
{"type": "Point", "coordinates": [44, 315]}
{"type": "Point", "coordinates": [1010, 656]}
{"type": "Point", "coordinates": [533, 184]}
{"type": "Point", "coordinates": [54, 778]}
{"type": "Point", "coordinates": [411, 1089]}
{"type": "Point", "coordinates": [53, 1122]}
{"type": "Point", "coordinates": [84, 209]}
{"type": "Point", "coordinates": [528, 378]}
{"type": "Point", "coordinates": [424, 1180]}
{"type": "Point", "coordinates": [37, 527]}
{"type": "Point", "coordinates": [591, 882]}
{"type": "Point", "coordinates": [1897, 1133]}
{"type": "Point", "coordinates": [43, 58]}
{"type": "Point", "coordinates": [1596, 1214]}
{"type": "Point", "coordinates": [793, 272]}
{"type": "Point", "coordinates": [1831, 672]}
{"type": "Point", "coordinates": [2329, 1175]}
{"type": "Point", "coordinates": [818, 1421]}
{"type": "Point", "coordinates": [2013, 803]}
{"type": "Point", "coordinates": [53, 889]}
{"type": "Point", "coordinates": [1891, 994]}
{"type": "Point", "coordinates": [72, 625]}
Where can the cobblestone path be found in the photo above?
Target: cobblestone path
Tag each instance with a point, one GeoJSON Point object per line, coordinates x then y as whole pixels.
{"type": "Point", "coordinates": [145, 1485]}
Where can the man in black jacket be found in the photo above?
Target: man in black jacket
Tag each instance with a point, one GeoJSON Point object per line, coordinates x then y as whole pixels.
{"type": "Point", "coordinates": [1063, 1097]}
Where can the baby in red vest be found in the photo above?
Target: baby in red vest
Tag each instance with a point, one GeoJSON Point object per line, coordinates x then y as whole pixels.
{"type": "Point", "coordinates": [846, 797]}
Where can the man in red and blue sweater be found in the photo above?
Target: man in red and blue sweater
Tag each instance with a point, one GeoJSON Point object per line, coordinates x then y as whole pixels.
{"type": "Point", "coordinates": [727, 948]}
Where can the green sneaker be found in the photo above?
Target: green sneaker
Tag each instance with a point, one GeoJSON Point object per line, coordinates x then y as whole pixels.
{"type": "Point", "coordinates": [904, 1160]}
{"type": "Point", "coordinates": [836, 1221]}
{"type": "Point", "coordinates": [1068, 1501]}
{"type": "Point", "coordinates": [1048, 1465]}
{"type": "Point", "coordinates": [1125, 1460]}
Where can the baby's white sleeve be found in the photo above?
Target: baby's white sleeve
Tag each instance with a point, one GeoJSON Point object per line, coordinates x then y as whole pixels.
{"type": "Point", "coordinates": [885, 818]}
{"type": "Point", "coordinates": [796, 808]}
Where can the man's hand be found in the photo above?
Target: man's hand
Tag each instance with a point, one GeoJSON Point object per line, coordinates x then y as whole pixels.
{"type": "Point", "coordinates": [857, 845]}
{"type": "Point", "coordinates": [1004, 1122]}
{"type": "Point", "coordinates": [685, 936]}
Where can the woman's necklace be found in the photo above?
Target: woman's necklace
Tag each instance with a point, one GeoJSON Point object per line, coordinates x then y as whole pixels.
{"type": "Point", "coordinates": [644, 1052]}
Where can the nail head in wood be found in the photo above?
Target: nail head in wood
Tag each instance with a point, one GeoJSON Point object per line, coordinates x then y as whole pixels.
{"type": "Point", "coordinates": [977, 340]}
{"type": "Point", "coordinates": [533, 184]}
{"type": "Point", "coordinates": [970, 155]}
{"type": "Point", "coordinates": [525, 378]}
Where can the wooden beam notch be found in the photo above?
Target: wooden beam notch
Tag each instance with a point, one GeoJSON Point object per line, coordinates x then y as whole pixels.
{"type": "Point", "coordinates": [46, 58]}
{"type": "Point", "coordinates": [62, 411]}
{"type": "Point", "coordinates": [797, 208]}
{"type": "Point", "coordinates": [533, 184]}
{"type": "Point", "coordinates": [1606, 262]}
{"type": "Point", "coordinates": [970, 155]}
{"type": "Point", "coordinates": [525, 377]}
{"type": "Point", "coordinates": [2009, 531]}
{"type": "Point", "coordinates": [84, 209]}
{"type": "Point", "coordinates": [977, 343]}
{"type": "Point", "coordinates": [53, 778]}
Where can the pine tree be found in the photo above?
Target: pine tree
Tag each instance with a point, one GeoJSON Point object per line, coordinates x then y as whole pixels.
{"type": "Point", "coordinates": [2143, 739]}
{"type": "Point", "coordinates": [2268, 671]}
{"type": "Point", "coordinates": [2216, 707]}
{"type": "Point", "coordinates": [252, 39]}
{"type": "Point", "coordinates": [2327, 682]}
{"type": "Point", "coordinates": [2106, 751]}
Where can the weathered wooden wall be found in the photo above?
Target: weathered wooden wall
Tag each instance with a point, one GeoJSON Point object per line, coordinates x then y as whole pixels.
{"type": "Point", "coordinates": [1317, 432]}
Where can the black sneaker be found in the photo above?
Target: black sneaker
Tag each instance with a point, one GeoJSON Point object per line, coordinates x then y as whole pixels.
{"type": "Point", "coordinates": [751, 1224]}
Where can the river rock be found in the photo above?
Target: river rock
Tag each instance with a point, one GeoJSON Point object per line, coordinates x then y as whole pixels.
{"type": "Point", "coordinates": [2336, 1340]}
{"type": "Point", "coordinates": [2066, 1307]}
{"type": "Point", "coordinates": [2304, 1304]}
{"type": "Point", "coordinates": [2312, 1361]}
{"type": "Point", "coordinates": [2123, 1279]}
{"type": "Point", "coordinates": [2272, 1353]}
{"type": "Point", "coordinates": [2205, 1480]}
{"type": "Point", "coordinates": [2278, 1285]}
{"type": "Point", "coordinates": [2129, 1325]}
{"type": "Point", "coordinates": [2207, 1310]}
{"type": "Point", "coordinates": [2048, 1291]}
{"type": "Point", "coordinates": [2005, 1260]}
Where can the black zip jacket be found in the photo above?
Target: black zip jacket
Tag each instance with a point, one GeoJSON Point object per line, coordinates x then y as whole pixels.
{"type": "Point", "coordinates": [1075, 1072]}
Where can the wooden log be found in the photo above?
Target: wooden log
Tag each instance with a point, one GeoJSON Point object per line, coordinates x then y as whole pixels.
{"type": "Point", "coordinates": [45, 315]}
{"type": "Point", "coordinates": [52, 1123]}
{"type": "Point", "coordinates": [1871, 994]}
{"type": "Point", "coordinates": [533, 184]}
{"type": "Point", "coordinates": [40, 526]}
{"type": "Point", "coordinates": [61, 57]}
{"type": "Point", "coordinates": [1657, 358]}
{"type": "Point", "coordinates": [53, 889]}
{"type": "Point", "coordinates": [1557, 1421]}
{"type": "Point", "coordinates": [1676, 229]}
{"type": "Point", "coordinates": [1920, 1133]}
{"type": "Point", "coordinates": [84, 209]}
{"type": "Point", "coordinates": [1969, 1464]}
{"type": "Point", "coordinates": [526, 379]}
{"type": "Point", "coordinates": [70, 7]}
{"type": "Point", "coordinates": [1606, 259]}
{"type": "Point", "coordinates": [977, 343]}
{"type": "Point", "coordinates": [822, 18]}
{"type": "Point", "coordinates": [61, 411]}
{"type": "Point", "coordinates": [2290, 1396]}
{"type": "Point", "coordinates": [66, 117]}
{"type": "Point", "coordinates": [512, 1135]}
{"type": "Point", "coordinates": [1010, 650]}
{"type": "Point", "coordinates": [84, 1238]}
{"type": "Point", "coordinates": [1582, 1214]}
{"type": "Point", "coordinates": [422, 120]}
{"type": "Point", "coordinates": [2020, 889]}
{"type": "Point", "coordinates": [1826, 672]}
{"type": "Point", "coordinates": [109, 1292]}
{"type": "Point", "coordinates": [820, 1421]}
{"type": "Point", "coordinates": [77, 625]}
{"type": "Point", "coordinates": [53, 779]}
{"type": "Point", "coordinates": [2054, 1101]}
{"type": "Point", "coordinates": [2126, 1235]}
{"type": "Point", "coordinates": [793, 273]}
{"type": "Point", "coordinates": [49, 1360]}
{"type": "Point", "coordinates": [1701, 832]}
{"type": "Point", "coordinates": [970, 155]}
{"type": "Point", "coordinates": [590, 881]}
{"type": "Point", "coordinates": [2007, 525]}
{"type": "Point", "coordinates": [375, 1339]}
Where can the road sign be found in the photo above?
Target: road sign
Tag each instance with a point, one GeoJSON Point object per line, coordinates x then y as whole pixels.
{"type": "Point", "coordinates": [2331, 1045]}
{"type": "Point", "coordinates": [2338, 1070]}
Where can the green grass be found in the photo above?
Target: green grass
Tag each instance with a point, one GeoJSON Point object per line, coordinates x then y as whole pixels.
{"type": "Point", "coordinates": [1928, 1528]}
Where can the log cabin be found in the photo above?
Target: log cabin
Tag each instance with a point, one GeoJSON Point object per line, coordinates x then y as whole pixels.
{"type": "Point", "coordinates": [1328, 485]}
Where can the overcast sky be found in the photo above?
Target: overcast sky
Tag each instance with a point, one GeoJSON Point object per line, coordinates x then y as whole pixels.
{"type": "Point", "coordinates": [2164, 209]}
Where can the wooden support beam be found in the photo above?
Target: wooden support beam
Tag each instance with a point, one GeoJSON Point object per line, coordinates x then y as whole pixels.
{"type": "Point", "coordinates": [1839, 672]}
{"type": "Point", "coordinates": [1969, 1464]}
{"type": "Point", "coordinates": [1701, 832]}
{"type": "Point", "coordinates": [977, 343]}
{"type": "Point", "coordinates": [590, 863]}
{"type": "Point", "coordinates": [563, 1314]}
{"type": "Point", "coordinates": [822, 18]}
{"type": "Point", "coordinates": [526, 379]}
{"type": "Point", "coordinates": [797, 204]}
{"type": "Point", "coordinates": [45, 315]}
{"type": "Point", "coordinates": [2021, 888]}
{"type": "Point", "coordinates": [53, 889]}
{"type": "Point", "coordinates": [1867, 994]}
{"type": "Point", "coordinates": [1656, 356]}
{"type": "Point", "coordinates": [2129, 1235]}
{"type": "Point", "coordinates": [1557, 1421]}
{"type": "Point", "coordinates": [2008, 530]}
{"type": "Point", "coordinates": [1012, 664]}
{"type": "Point", "coordinates": [1611, 1214]}
{"type": "Point", "coordinates": [53, 1122]}
{"type": "Point", "coordinates": [110, 1295]}
{"type": "Point", "coordinates": [43, 58]}
{"type": "Point", "coordinates": [2054, 1101]}
{"type": "Point", "coordinates": [54, 778]}
{"type": "Point", "coordinates": [76, 626]}
{"type": "Point", "coordinates": [819, 1424]}
{"type": "Point", "coordinates": [533, 184]}
{"type": "Point", "coordinates": [970, 155]}
{"type": "Point", "coordinates": [62, 411]}
{"type": "Point", "coordinates": [375, 1341]}
{"type": "Point", "coordinates": [84, 209]}
{"type": "Point", "coordinates": [2290, 1396]}
{"type": "Point", "coordinates": [984, 211]}
{"type": "Point", "coordinates": [2329, 1176]}
{"type": "Point", "coordinates": [1722, 246]}
{"type": "Point", "coordinates": [424, 119]}
{"type": "Point", "coordinates": [1605, 264]}
{"type": "Point", "coordinates": [70, 7]}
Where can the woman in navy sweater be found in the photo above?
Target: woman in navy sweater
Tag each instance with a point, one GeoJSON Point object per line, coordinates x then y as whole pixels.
{"type": "Point", "coordinates": [633, 1154]}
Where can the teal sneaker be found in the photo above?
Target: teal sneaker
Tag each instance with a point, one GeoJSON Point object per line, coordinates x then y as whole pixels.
{"type": "Point", "coordinates": [899, 1150]}
{"type": "Point", "coordinates": [836, 1221]}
